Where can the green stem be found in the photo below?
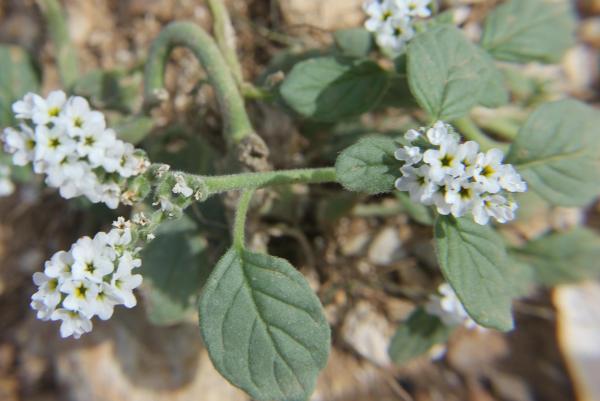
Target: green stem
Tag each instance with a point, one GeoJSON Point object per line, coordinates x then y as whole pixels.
{"type": "Point", "coordinates": [239, 226]}
{"type": "Point", "coordinates": [471, 131]}
{"type": "Point", "coordinates": [66, 56]}
{"type": "Point", "coordinates": [223, 183]}
{"type": "Point", "coordinates": [225, 36]}
{"type": "Point", "coordinates": [236, 124]}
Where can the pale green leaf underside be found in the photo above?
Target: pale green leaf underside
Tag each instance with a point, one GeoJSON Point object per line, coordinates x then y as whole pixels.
{"type": "Point", "coordinates": [562, 258]}
{"type": "Point", "coordinates": [368, 165]}
{"type": "Point", "coordinates": [530, 30]}
{"type": "Point", "coordinates": [448, 75]}
{"type": "Point", "coordinates": [263, 326]}
{"type": "Point", "coordinates": [416, 336]}
{"type": "Point", "coordinates": [557, 152]}
{"type": "Point", "coordinates": [473, 260]}
{"type": "Point", "coordinates": [329, 89]}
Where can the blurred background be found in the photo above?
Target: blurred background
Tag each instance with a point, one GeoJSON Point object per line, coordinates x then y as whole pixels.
{"type": "Point", "coordinates": [368, 264]}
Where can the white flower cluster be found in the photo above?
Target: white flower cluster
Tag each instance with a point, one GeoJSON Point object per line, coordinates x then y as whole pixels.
{"type": "Point", "coordinates": [7, 187]}
{"type": "Point", "coordinates": [455, 177]}
{"type": "Point", "coordinates": [391, 21]}
{"type": "Point", "coordinates": [70, 143]}
{"type": "Point", "coordinates": [449, 309]}
{"type": "Point", "coordinates": [89, 280]}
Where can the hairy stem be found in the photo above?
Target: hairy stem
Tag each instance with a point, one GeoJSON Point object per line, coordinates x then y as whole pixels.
{"type": "Point", "coordinates": [225, 36]}
{"type": "Point", "coordinates": [236, 124]}
{"type": "Point", "coordinates": [471, 131]}
{"type": "Point", "coordinates": [244, 181]}
{"type": "Point", "coordinates": [239, 226]}
{"type": "Point", "coordinates": [66, 56]}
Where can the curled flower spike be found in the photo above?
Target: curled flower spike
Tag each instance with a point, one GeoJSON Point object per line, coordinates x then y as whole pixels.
{"type": "Point", "coordinates": [89, 280]}
{"type": "Point", "coordinates": [392, 21]}
{"type": "Point", "coordinates": [455, 177]}
{"type": "Point", "coordinates": [69, 142]}
{"type": "Point", "coordinates": [449, 309]}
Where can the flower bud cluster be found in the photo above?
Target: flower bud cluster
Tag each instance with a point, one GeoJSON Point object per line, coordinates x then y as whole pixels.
{"type": "Point", "coordinates": [89, 280]}
{"type": "Point", "coordinates": [392, 21]}
{"type": "Point", "coordinates": [455, 177]}
{"type": "Point", "coordinates": [448, 308]}
{"type": "Point", "coordinates": [69, 142]}
{"type": "Point", "coordinates": [7, 187]}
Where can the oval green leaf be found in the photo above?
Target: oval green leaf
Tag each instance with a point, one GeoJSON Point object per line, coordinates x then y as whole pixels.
{"type": "Point", "coordinates": [557, 152]}
{"type": "Point", "coordinates": [329, 89]}
{"type": "Point", "coordinates": [368, 165]}
{"type": "Point", "coordinates": [530, 30]}
{"type": "Point", "coordinates": [473, 260]}
{"type": "Point", "coordinates": [563, 258]}
{"type": "Point", "coordinates": [264, 327]}
{"type": "Point", "coordinates": [448, 75]}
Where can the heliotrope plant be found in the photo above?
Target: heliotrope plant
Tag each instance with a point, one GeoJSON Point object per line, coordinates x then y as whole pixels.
{"type": "Point", "coordinates": [264, 327]}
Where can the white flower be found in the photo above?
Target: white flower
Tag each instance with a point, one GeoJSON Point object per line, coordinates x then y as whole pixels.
{"type": "Point", "coordinates": [444, 161]}
{"type": "Point", "coordinates": [48, 110]}
{"type": "Point", "coordinates": [91, 259]}
{"type": "Point", "coordinates": [93, 141]}
{"type": "Point", "coordinates": [510, 180]}
{"type": "Point", "coordinates": [23, 109]}
{"type": "Point", "coordinates": [416, 181]}
{"type": "Point", "coordinates": [80, 294]}
{"type": "Point", "coordinates": [439, 196]}
{"type": "Point", "coordinates": [417, 8]}
{"type": "Point", "coordinates": [449, 308]}
{"type": "Point", "coordinates": [48, 289]}
{"type": "Point", "coordinates": [89, 280]}
{"type": "Point", "coordinates": [181, 187]}
{"type": "Point", "coordinates": [412, 135]}
{"type": "Point", "coordinates": [73, 323]}
{"type": "Point", "coordinates": [379, 12]}
{"type": "Point", "coordinates": [103, 304]}
{"type": "Point", "coordinates": [60, 265]}
{"type": "Point", "coordinates": [438, 134]}
{"type": "Point", "coordinates": [495, 206]}
{"type": "Point", "coordinates": [394, 34]}
{"type": "Point", "coordinates": [461, 196]}
{"type": "Point", "coordinates": [52, 144]}
{"type": "Point", "coordinates": [409, 155]}
{"type": "Point", "coordinates": [77, 116]}
{"type": "Point", "coordinates": [123, 282]}
{"type": "Point", "coordinates": [21, 143]}
{"type": "Point", "coordinates": [488, 169]}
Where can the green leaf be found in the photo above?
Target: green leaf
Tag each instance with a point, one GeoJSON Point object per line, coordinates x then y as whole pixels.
{"type": "Point", "coordinates": [175, 267]}
{"type": "Point", "coordinates": [495, 93]}
{"type": "Point", "coordinates": [369, 165]}
{"type": "Point", "coordinates": [264, 327]}
{"type": "Point", "coordinates": [531, 30]}
{"type": "Point", "coordinates": [562, 258]}
{"type": "Point", "coordinates": [329, 89]}
{"type": "Point", "coordinates": [447, 74]}
{"type": "Point", "coordinates": [17, 77]}
{"type": "Point", "coordinates": [354, 42]}
{"type": "Point", "coordinates": [557, 152]}
{"type": "Point", "coordinates": [473, 260]}
{"type": "Point", "coordinates": [417, 335]}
